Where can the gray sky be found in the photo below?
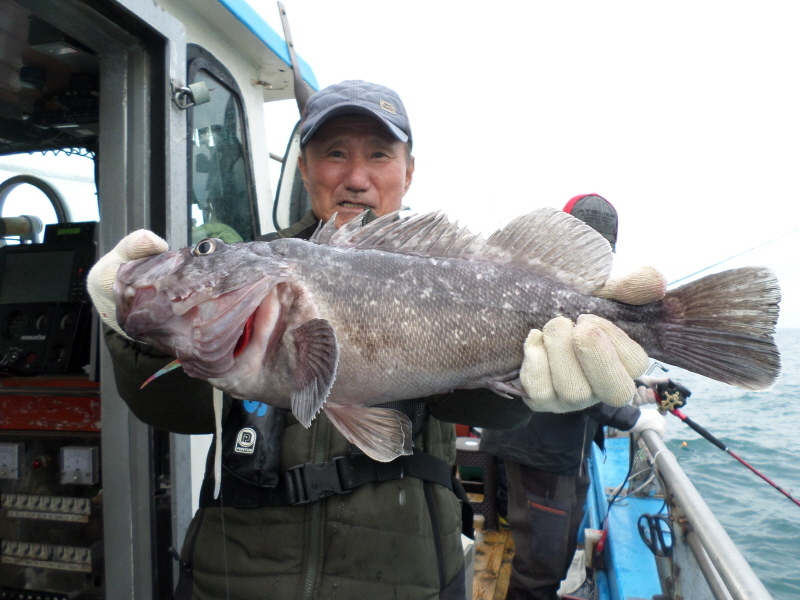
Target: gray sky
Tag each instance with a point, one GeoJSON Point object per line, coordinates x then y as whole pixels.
{"type": "Point", "coordinates": [683, 115]}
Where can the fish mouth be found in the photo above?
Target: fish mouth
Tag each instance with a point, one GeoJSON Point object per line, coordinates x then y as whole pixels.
{"type": "Point", "coordinates": [247, 332]}
{"type": "Point", "coordinates": [206, 334]}
{"type": "Point", "coordinates": [227, 338]}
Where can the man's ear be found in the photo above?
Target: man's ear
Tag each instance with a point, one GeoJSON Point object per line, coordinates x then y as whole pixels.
{"type": "Point", "coordinates": [409, 173]}
{"type": "Point", "coordinates": [301, 164]}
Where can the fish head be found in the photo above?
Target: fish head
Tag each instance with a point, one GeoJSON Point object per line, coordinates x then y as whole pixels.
{"type": "Point", "coordinates": [200, 304]}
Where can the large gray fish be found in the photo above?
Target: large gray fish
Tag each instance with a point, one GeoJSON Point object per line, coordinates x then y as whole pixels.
{"type": "Point", "coordinates": [407, 308]}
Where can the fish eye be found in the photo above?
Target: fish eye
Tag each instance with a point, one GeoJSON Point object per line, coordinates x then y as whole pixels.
{"type": "Point", "coordinates": [208, 246]}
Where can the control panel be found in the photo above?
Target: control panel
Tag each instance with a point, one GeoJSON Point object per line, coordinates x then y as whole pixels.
{"type": "Point", "coordinates": [45, 315]}
{"type": "Point", "coordinates": [51, 526]}
{"type": "Point", "coordinates": [43, 337]}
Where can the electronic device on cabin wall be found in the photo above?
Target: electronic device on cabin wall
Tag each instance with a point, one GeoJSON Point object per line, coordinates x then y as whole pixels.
{"type": "Point", "coordinates": [45, 313]}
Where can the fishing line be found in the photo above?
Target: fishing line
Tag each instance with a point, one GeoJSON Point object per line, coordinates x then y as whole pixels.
{"type": "Point", "coordinates": [734, 256]}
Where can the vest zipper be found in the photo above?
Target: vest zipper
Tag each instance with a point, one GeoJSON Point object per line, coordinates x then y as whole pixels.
{"type": "Point", "coordinates": [315, 526]}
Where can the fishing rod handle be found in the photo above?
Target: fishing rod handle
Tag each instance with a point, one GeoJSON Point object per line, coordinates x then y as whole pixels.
{"type": "Point", "coordinates": [704, 432]}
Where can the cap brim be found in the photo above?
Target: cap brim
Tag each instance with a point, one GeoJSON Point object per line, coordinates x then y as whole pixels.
{"type": "Point", "coordinates": [349, 109]}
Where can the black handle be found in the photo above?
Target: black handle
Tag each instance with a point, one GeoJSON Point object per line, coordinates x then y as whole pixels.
{"type": "Point", "coordinates": [702, 431]}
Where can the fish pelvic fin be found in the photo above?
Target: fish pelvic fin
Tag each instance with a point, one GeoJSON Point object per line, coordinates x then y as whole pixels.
{"type": "Point", "coordinates": [170, 367]}
{"type": "Point", "coordinates": [317, 356]}
{"type": "Point", "coordinates": [546, 241]}
{"type": "Point", "coordinates": [382, 434]}
{"type": "Point", "coordinates": [722, 326]}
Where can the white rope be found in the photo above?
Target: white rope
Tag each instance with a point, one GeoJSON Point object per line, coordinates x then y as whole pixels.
{"type": "Point", "coordinates": [655, 456]}
{"type": "Point", "coordinates": [218, 446]}
{"type": "Point", "coordinates": [217, 397]}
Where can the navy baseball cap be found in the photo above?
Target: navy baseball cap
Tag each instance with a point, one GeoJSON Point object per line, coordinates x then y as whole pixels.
{"type": "Point", "coordinates": [355, 97]}
{"type": "Point", "coordinates": [597, 213]}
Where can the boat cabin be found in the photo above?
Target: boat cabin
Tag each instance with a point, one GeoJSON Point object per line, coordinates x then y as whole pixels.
{"type": "Point", "coordinates": [114, 116]}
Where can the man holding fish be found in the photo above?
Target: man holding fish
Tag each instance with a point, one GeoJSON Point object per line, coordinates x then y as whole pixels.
{"type": "Point", "coordinates": [349, 494]}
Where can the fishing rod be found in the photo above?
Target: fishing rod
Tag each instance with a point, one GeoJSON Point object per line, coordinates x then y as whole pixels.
{"type": "Point", "coordinates": [732, 257]}
{"type": "Point", "coordinates": [671, 396]}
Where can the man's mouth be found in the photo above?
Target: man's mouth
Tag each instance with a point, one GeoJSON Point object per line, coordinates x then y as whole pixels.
{"type": "Point", "coordinates": [354, 205]}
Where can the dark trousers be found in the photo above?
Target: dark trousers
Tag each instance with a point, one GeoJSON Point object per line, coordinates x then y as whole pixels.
{"type": "Point", "coordinates": [544, 512]}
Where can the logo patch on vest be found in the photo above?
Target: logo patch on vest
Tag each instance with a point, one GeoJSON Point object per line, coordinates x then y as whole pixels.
{"type": "Point", "coordinates": [245, 441]}
{"type": "Point", "coordinates": [388, 106]}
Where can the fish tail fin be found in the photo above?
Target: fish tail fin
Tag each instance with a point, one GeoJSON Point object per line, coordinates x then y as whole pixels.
{"type": "Point", "coordinates": [382, 434]}
{"type": "Point", "coordinates": [722, 326]}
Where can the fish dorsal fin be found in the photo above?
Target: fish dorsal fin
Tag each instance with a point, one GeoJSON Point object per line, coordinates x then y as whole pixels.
{"type": "Point", "coordinates": [546, 241]}
{"type": "Point", "coordinates": [429, 234]}
{"type": "Point", "coordinates": [554, 243]}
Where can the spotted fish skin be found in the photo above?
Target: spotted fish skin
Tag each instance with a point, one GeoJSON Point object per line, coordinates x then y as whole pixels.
{"type": "Point", "coordinates": [411, 326]}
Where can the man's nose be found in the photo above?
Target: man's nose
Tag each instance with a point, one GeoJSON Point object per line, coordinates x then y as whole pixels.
{"type": "Point", "coordinates": [357, 177]}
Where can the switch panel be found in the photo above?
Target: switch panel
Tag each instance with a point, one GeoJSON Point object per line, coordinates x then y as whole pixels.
{"type": "Point", "coordinates": [47, 556]}
{"type": "Point", "coordinates": [51, 514]}
{"type": "Point", "coordinates": [47, 508]}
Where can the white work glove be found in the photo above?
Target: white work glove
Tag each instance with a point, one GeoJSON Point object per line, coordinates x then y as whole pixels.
{"type": "Point", "coordinates": [646, 389]}
{"type": "Point", "coordinates": [651, 419]}
{"type": "Point", "coordinates": [100, 281]}
{"type": "Point", "coordinates": [642, 286]}
{"type": "Point", "coordinates": [568, 368]}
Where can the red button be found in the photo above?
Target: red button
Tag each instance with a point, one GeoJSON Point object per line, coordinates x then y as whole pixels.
{"type": "Point", "coordinates": [30, 358]}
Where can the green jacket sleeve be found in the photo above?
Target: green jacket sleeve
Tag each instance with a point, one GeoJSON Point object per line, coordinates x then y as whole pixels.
{"type": "Point", "coordinates": [174, 402]}
{"type": "Point", "coordinates": [479, 408]}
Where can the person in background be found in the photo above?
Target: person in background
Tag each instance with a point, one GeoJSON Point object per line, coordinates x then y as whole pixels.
{"type": "Point", "coordinates": [305, 514]}
{"type": "Point", "coordinates": [546, 461]}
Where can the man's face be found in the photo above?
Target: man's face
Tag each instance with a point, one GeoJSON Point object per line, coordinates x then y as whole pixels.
{"type": "Point", "coordinates": [351, 164]}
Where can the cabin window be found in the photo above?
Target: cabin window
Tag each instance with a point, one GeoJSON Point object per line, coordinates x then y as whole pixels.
{"type": "Point", "coordinates": [221, 191]}
{"type": "Point", "coordinates": [54, 186]}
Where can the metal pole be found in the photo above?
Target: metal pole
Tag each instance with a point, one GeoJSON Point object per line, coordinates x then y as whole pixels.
{"type": "Point", "coordinates": [742, 583]}
{"type": "Point", "coordinates": [301, 93]}
{"type": "Point", "coordinates": [708, 570]}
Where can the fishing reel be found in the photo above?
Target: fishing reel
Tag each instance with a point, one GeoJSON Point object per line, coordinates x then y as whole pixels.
{"type": "Point", "coordinates": [669, 395]}
{"type": "Point", "coordinates": [672, 395]}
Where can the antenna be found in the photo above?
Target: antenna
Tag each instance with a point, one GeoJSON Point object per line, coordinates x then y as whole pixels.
{"type": "Point", "coordinates": [300, 89]}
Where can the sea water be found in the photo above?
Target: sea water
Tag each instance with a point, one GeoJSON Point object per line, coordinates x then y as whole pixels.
{"type": "Point", "coordinates": [763, 428]}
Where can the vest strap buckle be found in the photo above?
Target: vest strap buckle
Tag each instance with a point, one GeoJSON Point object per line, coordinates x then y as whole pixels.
{"type": "Point", "coordinates": [310, 482]}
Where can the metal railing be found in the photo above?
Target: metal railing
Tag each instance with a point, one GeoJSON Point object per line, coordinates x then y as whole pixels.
{"type": "Point", "coordinates": [709, 541]}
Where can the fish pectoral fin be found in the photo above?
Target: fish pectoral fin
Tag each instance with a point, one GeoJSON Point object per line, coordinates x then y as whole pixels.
{"type": "Point", "coordinates": [504, 385]}
{"type": "Point", "coordinates": [382, 434]}
{"type": "Point", "coordinates": [507, 388]}
{"type": "Point", "coordinates": [317, 354]}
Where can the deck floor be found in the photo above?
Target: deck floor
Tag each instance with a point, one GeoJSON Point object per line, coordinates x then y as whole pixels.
{"type": "Point", "coordinates": [493, 553]}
